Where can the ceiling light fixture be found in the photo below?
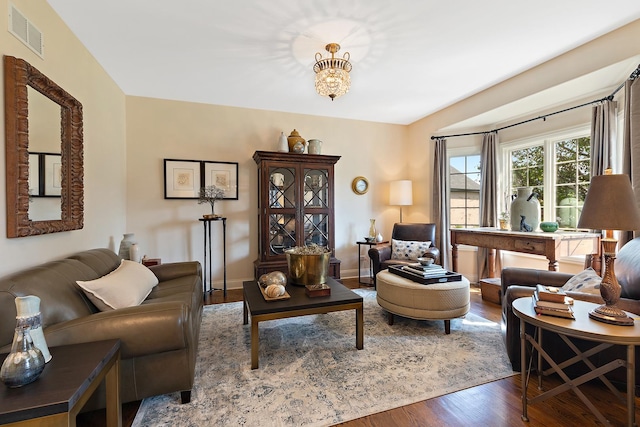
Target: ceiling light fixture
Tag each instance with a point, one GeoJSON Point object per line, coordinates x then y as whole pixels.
{"type": "Point", "coordinates": [332, 74]}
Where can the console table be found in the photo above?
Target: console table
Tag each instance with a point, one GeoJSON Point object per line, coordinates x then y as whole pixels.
{"type": "Point", "coordinates": [369, 281]}
{"type": "Point", "coordinates": [551, 245]}
{"type": "Point", "coordinates": [207, 254]}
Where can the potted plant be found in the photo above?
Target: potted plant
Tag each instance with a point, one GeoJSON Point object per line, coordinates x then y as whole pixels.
{"type": "Point", "coordinates": [504, 220]}
{"type": "Point", "coordinates": [210, 194]}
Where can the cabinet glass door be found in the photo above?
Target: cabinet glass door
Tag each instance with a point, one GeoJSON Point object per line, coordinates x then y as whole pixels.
{"type": "Point", "coordinates": [282, 188]}
{"type": "Point", "coordinates": [316, 188]}
{"type": "Point", "coordinates": [316, 229]}
{"type": "Point", "coordinates": [282, 233]}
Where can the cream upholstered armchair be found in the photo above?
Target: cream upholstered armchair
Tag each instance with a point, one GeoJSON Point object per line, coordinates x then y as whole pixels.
{"type": "Point", "coordinates": [408, 242]}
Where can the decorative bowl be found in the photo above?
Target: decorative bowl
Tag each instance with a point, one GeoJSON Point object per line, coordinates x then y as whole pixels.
{"type": "Point", "coordinates": [369, 239]}
{"type": "Point", "coordinates": [548, 226]}
{"type": "Point", "coordinates": [425, 261]}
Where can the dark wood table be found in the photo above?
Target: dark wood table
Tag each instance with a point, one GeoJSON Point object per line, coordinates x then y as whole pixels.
{"type": "Point", "coordinates": [361, 243]}
{"type": "Point", "coordinates": [341, 298]}
{"type": "Point", "coordinates": [551, 245]}
{"type": "Point", "coordinates": [65, 385]}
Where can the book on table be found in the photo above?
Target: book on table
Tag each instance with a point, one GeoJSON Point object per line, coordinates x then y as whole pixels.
{"type": "Point", "coordinates": [427, 271]}
{"type": "Point", "coordinates": [551, 308]}
{"type": "Point", "coordinates": [550, 293]}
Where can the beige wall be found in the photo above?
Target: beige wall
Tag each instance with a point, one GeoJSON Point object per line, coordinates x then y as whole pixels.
{"type": "Point", "coordinates": [126, 139]}
{"type": "Point", "coordinates": [68, 63]}
{"type": "Point", "coordinates": [169, 229]}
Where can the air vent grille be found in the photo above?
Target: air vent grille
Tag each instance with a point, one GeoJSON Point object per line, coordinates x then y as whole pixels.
{"type": "Point", "coordinates": [25, 31]}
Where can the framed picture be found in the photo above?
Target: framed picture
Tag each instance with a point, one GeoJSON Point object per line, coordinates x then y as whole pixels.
{"type": "Point", "coordinates": [34, 175]}
{"type": "Point", "coordinates": [52, 174]}
{"type": "Point", "coordinates": [182, 179]}
{"type": "Point", "coordinates": [223, 175]}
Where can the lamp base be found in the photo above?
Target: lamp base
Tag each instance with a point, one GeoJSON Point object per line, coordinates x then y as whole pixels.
{"type": "Point", "coordinates": [611, 315]}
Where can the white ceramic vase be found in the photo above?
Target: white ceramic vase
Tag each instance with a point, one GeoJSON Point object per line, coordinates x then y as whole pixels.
{"type": "Point", "coordinates": [134, 252]}
{"type": "Point", "coordinates": [525, 211]}
{"type": "Point", "coordinates": [283, 144]}
{"type": "Point", "coordinates": [125, 245]}
{"type": "Point", "coordinates": [315, 146]}
{"type": "Point", "coordinates": [28, 313]}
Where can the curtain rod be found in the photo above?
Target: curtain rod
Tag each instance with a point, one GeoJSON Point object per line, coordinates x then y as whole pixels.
{"type": "Point", "coordinates": [633, 76]}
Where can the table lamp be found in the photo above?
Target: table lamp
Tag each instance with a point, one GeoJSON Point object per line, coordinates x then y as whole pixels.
{"type": "Point", "coordinates": [401, 194]}
{"type": "Point", "coordinates": [610, 205]}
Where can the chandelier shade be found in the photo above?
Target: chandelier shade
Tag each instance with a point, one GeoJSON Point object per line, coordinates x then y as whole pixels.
{"type": "Point", "coordinates": [332, 74]}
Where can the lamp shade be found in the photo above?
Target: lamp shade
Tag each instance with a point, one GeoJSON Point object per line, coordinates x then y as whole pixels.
{"type": "Point", "coordinates": [610, 205]}
{"type": "Point", "coordinates": [401, 193]}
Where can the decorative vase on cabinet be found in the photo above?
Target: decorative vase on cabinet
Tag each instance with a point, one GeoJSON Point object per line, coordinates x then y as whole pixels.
{"type": "Point", "coordinates": [125, 245]}
{"type": "Point", "coordinates": [525, 211]}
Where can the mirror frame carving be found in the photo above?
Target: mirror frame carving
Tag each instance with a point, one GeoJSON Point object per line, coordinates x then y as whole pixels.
{"type": "Point", "coordinates": [18, 75]}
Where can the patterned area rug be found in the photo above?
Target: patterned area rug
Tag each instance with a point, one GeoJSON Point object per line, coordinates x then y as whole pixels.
{"type": "Point", "coordinates": [312, 375]}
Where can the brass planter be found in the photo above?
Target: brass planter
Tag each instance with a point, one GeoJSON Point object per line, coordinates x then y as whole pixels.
{"type": "Point", "coordinates": [308, 269]}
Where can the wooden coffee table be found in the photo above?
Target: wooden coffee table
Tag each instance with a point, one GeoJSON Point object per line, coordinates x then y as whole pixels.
{"type": "Point", "coordinates": [341, 298]}
{"type": "Point", "coordinates": [65, 385]}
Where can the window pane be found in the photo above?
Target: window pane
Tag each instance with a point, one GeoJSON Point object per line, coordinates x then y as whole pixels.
{"type": "Point", "coordinates": [566, 173]}
{"type": "Point", "coordinates": [536, 176]}
{"type": "Point", "coordinates": [566, 150]}
{"type": "Point", "coordinates": [473, 164]}
{"type": "Point", "coordinates": [519, 178]}
{"type": "Point", "coordinates": [458, 163]}
{"type": "Point", "coordinates": [536, 155]}
{"type": "Point", "coordinates": [464, 181]}
{"type": "Point", "coordinates": [457, 217]}
{"type": "Point", "coordinates": [584, 148]}
{"type": "Point", "coordinates": [584, 171]}
{"type": "Point", "coordinates": [519, 158]}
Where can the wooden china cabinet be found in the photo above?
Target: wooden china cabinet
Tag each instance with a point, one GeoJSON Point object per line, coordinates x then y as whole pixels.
{"type": "Point", "coordinates": [295, 207]}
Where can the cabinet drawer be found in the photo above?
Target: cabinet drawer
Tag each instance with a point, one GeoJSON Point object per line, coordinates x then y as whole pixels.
{"type": "Point", "coordinates": [529, 246]}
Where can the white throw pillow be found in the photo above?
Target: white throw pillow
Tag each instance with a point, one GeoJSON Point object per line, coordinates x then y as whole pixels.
{"type": "Point", "coordinates": [408, 249]}
{"type": "Point", "coordinates": [126, 286]}
{"type": "Point", "coordinates": [586, 281]}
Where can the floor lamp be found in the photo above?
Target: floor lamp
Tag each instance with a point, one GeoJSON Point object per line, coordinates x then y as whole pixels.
{"type": "Point", "coordinates": [401, 194]}
{"type": "Point", "coordinates": [610, 205]}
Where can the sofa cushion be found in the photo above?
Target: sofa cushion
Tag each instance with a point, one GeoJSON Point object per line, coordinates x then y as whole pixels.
{"type": "Point", "coordinates": [586, 281]}
{"type": "Point", "coordinates": [126, 286]}
{"type": "Point", "coordinates": [408, 249]}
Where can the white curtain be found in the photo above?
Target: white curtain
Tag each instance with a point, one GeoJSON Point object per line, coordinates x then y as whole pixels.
{"type": "Point", "coordinates": [489, 202]}
{"type": "Point", "coordinates": [441, 201]}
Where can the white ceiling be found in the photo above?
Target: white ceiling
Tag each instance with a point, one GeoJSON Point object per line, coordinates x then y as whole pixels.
{"type": "Point", "coordinates": [410, 58]}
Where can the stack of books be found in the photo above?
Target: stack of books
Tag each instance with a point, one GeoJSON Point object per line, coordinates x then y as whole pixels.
{"type": "Point", "coordinates": [552, 301]}
{"type": "Point", "coordinates": [432, 270]}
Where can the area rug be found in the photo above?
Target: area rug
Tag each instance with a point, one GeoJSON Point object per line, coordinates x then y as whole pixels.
{"type": "Point", "coordinates": [311, 373]}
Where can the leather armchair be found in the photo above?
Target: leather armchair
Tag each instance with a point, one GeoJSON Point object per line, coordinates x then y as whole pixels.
{"type": "Point", "coordinates": [381, 254]}
{"type": "Point", "coordinates": [521, 282]}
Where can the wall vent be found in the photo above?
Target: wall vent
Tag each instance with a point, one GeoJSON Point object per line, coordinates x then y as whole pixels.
{"type": "Point", "coordinates": [25, 31]}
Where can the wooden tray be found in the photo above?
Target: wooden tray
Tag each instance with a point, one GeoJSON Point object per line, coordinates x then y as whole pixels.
{"type": "Point", "coordinates": [268, 298]}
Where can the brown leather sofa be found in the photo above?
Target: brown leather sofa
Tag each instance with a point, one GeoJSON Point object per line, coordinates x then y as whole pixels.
{"type": "Point", "coordinates": [159, 338]}
{"type": "Point", "coordinates": [381, 254]}
{"type": "Point", "coordinates": [520, 282]}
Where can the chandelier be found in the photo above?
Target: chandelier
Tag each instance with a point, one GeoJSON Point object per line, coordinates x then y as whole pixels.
{"type": "Point", "coordinates": [332, 74]}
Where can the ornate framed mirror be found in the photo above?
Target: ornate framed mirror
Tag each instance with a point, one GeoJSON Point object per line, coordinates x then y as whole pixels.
{"type": "Point", "coordinates": [25, 90]}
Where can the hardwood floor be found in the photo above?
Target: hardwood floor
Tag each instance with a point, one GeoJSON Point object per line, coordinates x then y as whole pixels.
{"type": "Point", "coordinates": [494, 404]}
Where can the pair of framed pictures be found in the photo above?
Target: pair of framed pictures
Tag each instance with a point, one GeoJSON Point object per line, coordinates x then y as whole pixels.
{"type": "Point", "coordinates": [184, 178]}
{"type": "Point", "coordinates": [45, 174]}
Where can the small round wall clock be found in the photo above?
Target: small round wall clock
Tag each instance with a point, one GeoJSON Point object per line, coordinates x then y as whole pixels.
{"type": "Point", "coordinates": [360, 185]}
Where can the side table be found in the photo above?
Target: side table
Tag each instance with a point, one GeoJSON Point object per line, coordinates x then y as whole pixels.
{"type": "Point", "coordinates": [369, 282]}
{"type": "Point", "coordinates": [65, 385]}
{"type": "Point", "coordinates": [207, 254]}
{"type": "Point", "coordinates": [583, 327]}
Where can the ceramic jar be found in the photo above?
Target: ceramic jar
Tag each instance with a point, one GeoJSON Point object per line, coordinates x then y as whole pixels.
{"type": "Point", "coordinates": [283, 144]}
{"type": "Point", "coordinates": [315, 146]}
{"type": "Point", "coordinates": [525, 211]}
{"type": "Point", "coordinates": [134, 253]}
{"type": "Point", "coordinates": [28, 314]}
{"type": "Point", "coordinates": [293, 139]}
{"type": "Point", "coordinates": [125, 245]}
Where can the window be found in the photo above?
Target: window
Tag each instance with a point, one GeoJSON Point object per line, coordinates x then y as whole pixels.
{"type": "Point", "coordinates": [464, 179]}
{"type": "Point", "coordinates": [558, 169]}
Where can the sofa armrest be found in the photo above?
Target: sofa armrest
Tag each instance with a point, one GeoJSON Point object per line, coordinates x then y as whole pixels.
{"type": "Point", "coordinates": [531, 277]}
{"type": "Point", "coordinates": [142, 330]}
{"type": "Point", "coordinates": [378, 254]}
{"type": "Point", "coordinates": [174, 270]}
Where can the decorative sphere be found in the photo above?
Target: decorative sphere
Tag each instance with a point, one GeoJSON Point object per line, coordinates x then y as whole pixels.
{"type": "Point", "coordinates": [279, 277]}
{"type": "Point", "coordinates": [274, 291]}
{"type": "Point", "coordinates": [262, 281]}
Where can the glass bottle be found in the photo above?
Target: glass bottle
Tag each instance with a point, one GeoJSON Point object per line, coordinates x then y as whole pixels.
{"type": "Point", "coordinates": [25, 362]}
{"type": "Point", "coordinates": [372, 228]}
